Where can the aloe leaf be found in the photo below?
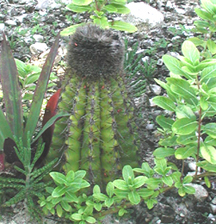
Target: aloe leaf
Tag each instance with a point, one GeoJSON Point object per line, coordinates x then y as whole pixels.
{"type": "Point", "coordinates": [49, 124]}
{"type": "Point", "coordinates": [5, 130]}
{"type": "Point", "coordinates": [40, 91]}
{"type": "Point", "coordinates": [11, 90]}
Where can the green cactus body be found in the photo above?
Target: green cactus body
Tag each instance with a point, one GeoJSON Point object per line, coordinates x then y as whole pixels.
{"type": "Point", "coordinates": [98, 136]}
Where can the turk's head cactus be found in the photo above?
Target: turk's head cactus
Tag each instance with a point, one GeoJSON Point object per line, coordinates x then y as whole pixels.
{"type": "Point", "coordinates": [99, 135]}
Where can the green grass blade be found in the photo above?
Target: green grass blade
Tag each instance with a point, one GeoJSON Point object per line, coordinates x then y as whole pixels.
{"type": "Point", "coordinates": [11, 90]}
{"type": "Point", "coordinates": [40, 91]}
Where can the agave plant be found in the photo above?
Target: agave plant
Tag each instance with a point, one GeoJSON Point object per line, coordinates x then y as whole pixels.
{"type": "Point", "coordinates": [99, 134]}
{"type": "Point", "coordinates": [11, 116]}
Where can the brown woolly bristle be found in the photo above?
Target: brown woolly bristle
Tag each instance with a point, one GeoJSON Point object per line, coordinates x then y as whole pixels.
{"type": "Point", "coordinates": [94, 52]}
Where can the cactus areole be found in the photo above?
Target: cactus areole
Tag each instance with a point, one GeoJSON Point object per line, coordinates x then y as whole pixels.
{"type": "Point", "coordinates": [99, 135]}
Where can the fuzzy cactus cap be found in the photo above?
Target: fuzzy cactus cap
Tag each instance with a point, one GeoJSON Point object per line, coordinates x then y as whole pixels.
{"type": "Point", "coordinates": [94, 52]}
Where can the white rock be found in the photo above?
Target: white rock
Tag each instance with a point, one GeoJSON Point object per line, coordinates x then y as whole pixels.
{"type": "Point", "coordinates": [44, 4]}
{"type": "Point", "coordinates": [156, 89]}
{"type": "Point", "coordinates": [10, 23]}
{"type": "Point", "coordinates": [2, 27]}
{"type": "Point", "coordinates": [143, 16]}
{"type": "Point", "coordinates": [213, 208]}
{"type": "Point", "coordinates": [38, 48]}
{"type": "Point", "coordinates": [20, 18]}
{"type": "Point", "coordinates": [214, 201]}
{"type": "Point", "coordinates": [200, 192]}
{"type": "Point", "coordinates": [38, 37]}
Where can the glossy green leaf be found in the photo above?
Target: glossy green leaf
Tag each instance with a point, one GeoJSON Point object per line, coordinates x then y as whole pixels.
{"type": "Point", "coordinates": [190, 51]}
{"type": "Point", "coordinates": [185, 152]}
{"type": "Point", "coordinates": [70, 30]}
{"type": "Point", "coordinates": [207, 73]}
{"type": "Point", "coordinates": [211, 46]}
{"type": "Point", "coordinates": [134, 197]}
{"type": "Point", "coordinates": [207, 182]}
{"type": "Point", "coordinates": [58, 177]}
{"type": "Point", "coordinates": [128, 174]}
{"type": "Point", "coordinates": [90, 219]}
{"type": "Point", "coordinates": [197, 41]}
{"type": "Point", "coordinates": [11, 90]}
{"type": "Point", "coordinates": [210, 129]}
{"type": "Point", "coordinates": [183, 89]}
{"type": "Point", "coordinates": [122, 26]}
{"type": "Point", "coordinates": [203, 14]}
{"type": "Point", "coordinates": [82, 2]}
{"type": "Point", "coordinates": [40, 91]}
{"type": "Point", "coordinates": [121, 9]}
{"type": "Point", "coordinates": [78, 8]}
{"type": "Point", "coordinates": [204, 103]}
{"type": "Point", "coordinates": [164, 102]}
{"type": "Point", "coordinates": [120, 184]}
{"type": "Point", "coordinates": [110, 189]}
{"type": "Point", "coordinates": [184, 126]}
{"type": "Point", "coordinates": [109, 201]}
{"type": "Point", "coordinates": [32, 78]}
{"type": "Point", "coordinates": [110, 8]}
{"type": "Point", "coordinates": [153, 183]}
{"type": "Point", "coordinates": [79, 174]}
{"type": "Point", "coordinates": [184, 111]}
{"type": "Point", "coordinates": [150, 203]}
{"type": "Point", "coordinates": [167, 180]}
{"type": "Point", "coordinates": [208, 152]}
{"type": "Point", "coordinates": [189, 189]}
{"type": "Point", "coordinates": [76, 216]}
{"type": "Point", "coordinates": [165, 123]}
{"type": "Point", "coordinates": [187, 139]}
{"type": "Point", "coordinates": [59, 210]}
{"type": "Point", "coordinates": [65, 205]}
{"type": "Point", "coordinates": [163, 152]}
{"type": "Point", "coordinates": [173, 64]}
{"type": "Point", "coordinates": [209, 6]}
{"type": "Point", "coordinates": [139, 181]}
{"type": "Point", "coordinates": [120, 2]}
{"type": "Point", "coordinates": [145, 192]}
{"type": "Point", "coordinates": [207, 166]}
{"type": "Point", "coordinates": [59, 191]}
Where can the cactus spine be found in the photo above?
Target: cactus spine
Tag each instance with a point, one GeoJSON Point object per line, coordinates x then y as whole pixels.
{"type": "Point", "coordinates": [98, 136]}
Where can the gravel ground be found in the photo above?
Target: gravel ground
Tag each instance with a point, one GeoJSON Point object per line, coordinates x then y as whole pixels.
{"type": "Point", "coordinates": [24, 24]}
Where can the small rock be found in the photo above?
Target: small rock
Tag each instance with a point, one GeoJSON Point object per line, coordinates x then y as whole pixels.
{"type": "Point", "coordinates": [145, 59]}
{"type": "Point", "coordinates": [38, 48]}
{"type": "Point", "coordinates": [156, 89]}
{"type": "Point", "coordinates": [213, 208]}
{"type": "Point", "coordinates": [211, 217]}
{"type": "Point", "coordinates": [200, 192]}
{"type": "Point", "coordinates": [192, 166]}
{"type": "Point", "coordinates": [169, 6]}
{"type": "Point", "coordinates": [150, 126]}
{"type": "Point", "coordinates": [214, 201]}
{"type": "Point", "coordinates": [2, 27]}
{"type": "Point", "coordinates": [160, 62]}
{"type": "Point", "coordinates": [180, 11]}
{"type": "Point", "coordinates": [21, 18]}
{"type": "Point", "coordinates": [38, 38]}
{"type": "Point", "coordinates": [28, 40]}
{"type": "Point", "coordinates": [10, 23]}
{"type": "Point", "coordinates": [167, 218]}
{"type": "Point", "coordinates": [143, 16]}
{"type": "Point", "coordinates": [151, 103]}
{"type": "Point", "coordinates": [2, 16]}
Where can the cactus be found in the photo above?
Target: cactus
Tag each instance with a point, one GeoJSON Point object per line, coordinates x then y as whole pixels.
{"type": "Point", "coordinates": [99, 135]}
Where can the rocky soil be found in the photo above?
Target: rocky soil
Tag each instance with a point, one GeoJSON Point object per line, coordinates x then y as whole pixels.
{"type": "Point", "coordinates": [26, 22]}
